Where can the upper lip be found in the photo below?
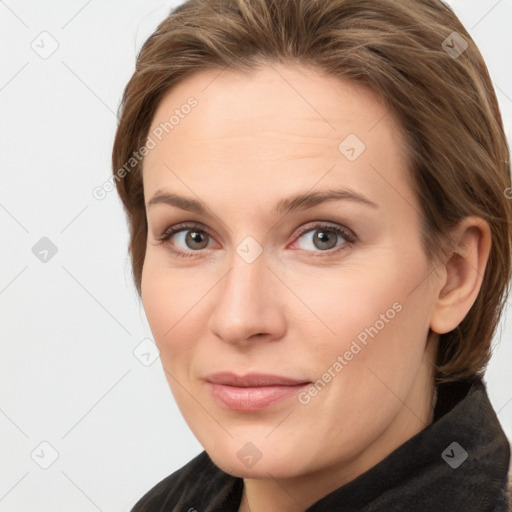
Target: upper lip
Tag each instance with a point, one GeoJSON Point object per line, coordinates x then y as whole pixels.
{"type": "Point", "coordinates": [252, 380]}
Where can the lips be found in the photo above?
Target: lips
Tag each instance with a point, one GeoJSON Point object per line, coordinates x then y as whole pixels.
{"type": "Point", "coordinates": [252, 392]}
{"type": "Point", "coordinates": [252, 380]}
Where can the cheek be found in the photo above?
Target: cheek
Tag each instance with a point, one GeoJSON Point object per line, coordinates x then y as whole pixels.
{"type": "Point", "coordinates": [157, 299]}
{"type": "Point", "coordinates": [365, 371]}
{"type": "Point", "coordinates": [169, 302]}
{"type": "Point", "coordinates": [371, 322]}
{"type": "Point", "coordinates": [362, 302]}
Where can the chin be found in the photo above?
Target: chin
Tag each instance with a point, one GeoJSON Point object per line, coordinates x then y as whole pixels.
{"type": "Point", "coordinates": [258, 459]}
{"type": "Point", "coordinates": [263, 469]}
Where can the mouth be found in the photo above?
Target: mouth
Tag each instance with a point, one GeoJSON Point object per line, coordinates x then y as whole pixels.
{"type": "Point", "coordinates": [252, 392]}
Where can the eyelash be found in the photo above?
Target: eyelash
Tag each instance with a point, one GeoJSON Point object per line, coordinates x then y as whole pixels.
{"type": "Point", "coordinates": [342, 232]}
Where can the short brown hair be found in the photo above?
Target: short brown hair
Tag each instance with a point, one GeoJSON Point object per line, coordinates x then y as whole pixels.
{"type": "Point", "coordinates": [445, 103]}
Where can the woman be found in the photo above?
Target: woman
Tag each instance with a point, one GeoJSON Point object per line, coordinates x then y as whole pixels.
{"type": "Point", "coordinates": [321, 237]}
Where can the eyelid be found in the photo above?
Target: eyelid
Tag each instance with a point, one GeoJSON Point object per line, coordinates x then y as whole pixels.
{"type": "Point", "coordinates": [182, 226]}
{"type": "Point", "coordinates": [178, 228]}
{"type": "Point", "coordinates": [341, 230]}
{"type": "Point", "coordinates": [323, 224]}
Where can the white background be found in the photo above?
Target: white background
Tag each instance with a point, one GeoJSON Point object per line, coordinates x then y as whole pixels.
{"type": "Point", "coordinates": [69, 326]}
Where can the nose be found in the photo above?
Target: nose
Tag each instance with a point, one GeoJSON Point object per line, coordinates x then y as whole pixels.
{"type": "Point", "coordinates": [247, 303]}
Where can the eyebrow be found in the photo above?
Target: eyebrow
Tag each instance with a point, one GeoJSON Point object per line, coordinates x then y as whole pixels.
{"type": "Point", "coordinates": [302, 201]}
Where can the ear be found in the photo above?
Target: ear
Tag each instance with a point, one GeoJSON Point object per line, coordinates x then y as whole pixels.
{"type": "Point", "coordinates": [462, 270]}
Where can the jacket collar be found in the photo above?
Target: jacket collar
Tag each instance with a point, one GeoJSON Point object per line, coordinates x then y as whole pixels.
{"type": "Point", "coordinates": [458, 462]}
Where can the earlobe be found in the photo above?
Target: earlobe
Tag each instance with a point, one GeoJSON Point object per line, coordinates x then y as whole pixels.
{"type": "Point", "coordinates": [464, 269]}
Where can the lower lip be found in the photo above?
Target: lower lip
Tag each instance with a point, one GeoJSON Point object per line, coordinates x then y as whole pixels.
{"type": "Point", "coordinates": [252, 398]}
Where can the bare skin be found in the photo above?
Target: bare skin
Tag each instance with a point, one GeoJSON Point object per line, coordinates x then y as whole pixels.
{"type": "Point", "coordinates": [251, 141]}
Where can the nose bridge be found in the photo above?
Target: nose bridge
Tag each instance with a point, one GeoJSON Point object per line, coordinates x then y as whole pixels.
{"type": "Point", "coordinates": [246, 300]}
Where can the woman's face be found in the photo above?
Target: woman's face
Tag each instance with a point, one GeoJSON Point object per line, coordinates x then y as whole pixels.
{"type": "Point", "coordinates": [298, 255]}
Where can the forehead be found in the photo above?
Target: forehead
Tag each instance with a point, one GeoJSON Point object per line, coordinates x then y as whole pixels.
{"type": "Point", "coordinates": [276, 124]}
{"type": "Point", "coordinates": [273, 96]}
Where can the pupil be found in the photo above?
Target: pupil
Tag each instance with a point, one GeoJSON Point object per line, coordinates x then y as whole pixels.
{"type": "Point", "coordinates": [195, 237]}
{"type": "Point", "coordinates": [323, 238]}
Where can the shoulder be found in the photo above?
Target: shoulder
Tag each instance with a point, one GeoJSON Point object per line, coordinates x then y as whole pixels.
{"type": "Point", "coordinates": [195, 486]}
